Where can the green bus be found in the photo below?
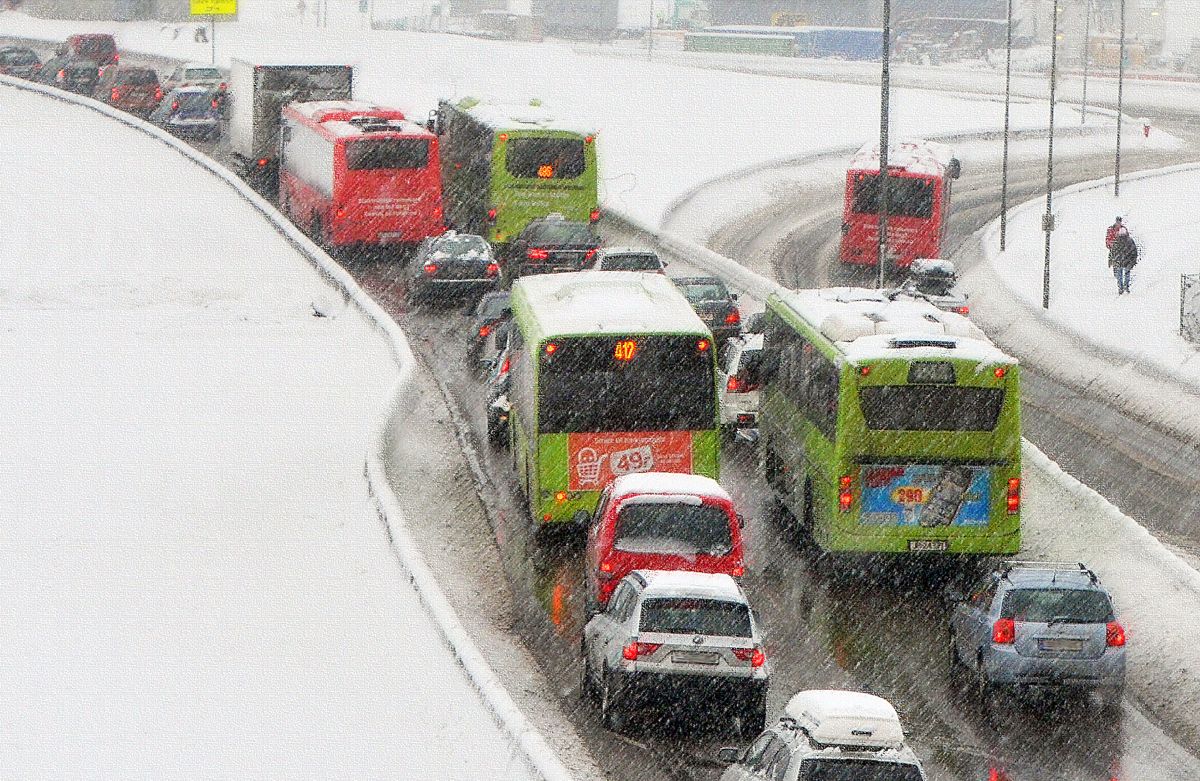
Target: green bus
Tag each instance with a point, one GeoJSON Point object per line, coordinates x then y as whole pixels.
{"type": "Point", "coordinates": [889, 426]}
{"type": "Point", "coordinates": [612, 372]}
{"type": "Point", "coordinates": [503, 166]}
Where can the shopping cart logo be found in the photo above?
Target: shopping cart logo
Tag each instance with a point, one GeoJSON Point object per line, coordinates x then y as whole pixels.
{"type": "Point", "coordinates": [587, 466]}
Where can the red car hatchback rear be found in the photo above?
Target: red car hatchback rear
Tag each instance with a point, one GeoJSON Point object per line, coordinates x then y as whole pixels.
{"type": "Point", "coordinates": [135, 90]}
{"type": "Point", "coordinates": [660, 521]}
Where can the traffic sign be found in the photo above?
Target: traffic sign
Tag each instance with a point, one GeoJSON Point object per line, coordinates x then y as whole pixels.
{"type": "Point", "coordinates": [214, 7]}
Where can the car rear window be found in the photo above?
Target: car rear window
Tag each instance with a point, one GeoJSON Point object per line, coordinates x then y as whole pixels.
{"type": "Point", "coordinates": [18, 58]}
{"type": "Point", "coordinates": [673, 527]}
{"type": "Point", "coordinates": [493, 305]}
{"type": "Point", "coordinates": [140, 76]}
{"type": "Point", "coordinates": [562, 234]}
{"type": "Point", "coordinates": [202, 73]}
{"type": "Point", "coordinates": [696, 292]}
{"type": "Point", "coordinates": [1058, 605]}
{"type": "Point", "coordinates": [193, 102]}
{"type": "Point", "coordinates": [98, 47]}
{"type": "Point", "coordinates": [691, 616]}
{"type": "Point", "coordinates": [632, 262]}
{"type": "Point", "coordinates": [857, 770]}
{"type": "Point", "coordinates": [545, 158]}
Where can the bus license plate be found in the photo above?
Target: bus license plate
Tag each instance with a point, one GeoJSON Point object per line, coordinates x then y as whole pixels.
{"type": "Point", "coordinates": [928, 545]}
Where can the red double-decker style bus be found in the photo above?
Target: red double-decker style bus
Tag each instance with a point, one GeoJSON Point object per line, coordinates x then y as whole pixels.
{"type": "Point", "coordinates": [920, 174]}
{"type": "Point", "coordinates": [356, 174]}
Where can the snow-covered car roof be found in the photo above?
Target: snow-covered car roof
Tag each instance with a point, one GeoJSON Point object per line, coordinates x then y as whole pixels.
{"type": "Point", "coordinates": [917, 156]}
{"type": "Point", "coordinates": [668, 483]}
{"type": "Point", "coordinates": [932, 266]}
{"type": "Point", "coordinates": [845, 718]}
{"type": "Point", "coordinates": [681, 583]}
{"type": "Point", "coordinates": [605, 252]}
{"type": "Point", "coordinates": [602, 302]}
{"type": "Point", "coordinates": [749, 341]}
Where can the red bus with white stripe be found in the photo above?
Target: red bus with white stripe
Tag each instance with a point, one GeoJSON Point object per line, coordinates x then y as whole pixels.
{"type": "Point", "coordinates": [920, 174]}
{"type": "Point", "coordinates": [353, 173]}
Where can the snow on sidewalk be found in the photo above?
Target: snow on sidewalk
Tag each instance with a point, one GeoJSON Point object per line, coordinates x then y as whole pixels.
{"type": "Point", "coordinates": [193, 578]}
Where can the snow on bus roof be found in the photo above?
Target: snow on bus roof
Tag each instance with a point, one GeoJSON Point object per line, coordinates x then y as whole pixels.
{"type": "Point", "coordinates": [516, 116]}
{"type": "Point", "coordinates": [342, 128]}
{"type": "Point", "coordinates": [916, 156]}
{"type": "Point", "coordinates": [867, 325]}
{"type": "Point", "coordinates": [316, 110]}
{"type": "Point", "coordinates": [608, 302]}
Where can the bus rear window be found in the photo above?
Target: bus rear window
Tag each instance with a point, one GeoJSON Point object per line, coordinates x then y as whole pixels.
{"type": "Point", "coordinates": [545, 158]}
{"type": "Point", "coordinates": [388, 153]}
{"type": "Point", "coordinates": [610, 383]}
{"type": "Point", "coordinates": [907, 197]}
{"type": "Point", "coordinates": [931, 408]}
{"type": "Point", "coordinates": [689, 616]}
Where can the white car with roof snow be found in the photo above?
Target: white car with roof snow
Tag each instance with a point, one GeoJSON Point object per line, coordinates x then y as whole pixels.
{"type": "Point", "coordinates": [683, 638]}
{"type": "Point", "coordinates": [195, 74]}
{"type": "Point", "coordinates": [739, 381]}
{"type": "Point", "coordinates": [827, 735]}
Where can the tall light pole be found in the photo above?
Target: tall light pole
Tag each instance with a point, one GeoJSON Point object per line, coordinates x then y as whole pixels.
{"type": "Point", "coordinates": [1087, 40]}
{"type": "Point", "coordinates": [1120, 103]}
{"type": "Point", "coordinates": [884, 103]}
{"type": "Point", "coordinates": [1007, 102]}
{"type": "Point", "coordinates": [1048, 218]}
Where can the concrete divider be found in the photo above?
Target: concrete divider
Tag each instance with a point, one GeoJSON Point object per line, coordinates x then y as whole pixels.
{"type": "Point", "coordinates": [538, 754]}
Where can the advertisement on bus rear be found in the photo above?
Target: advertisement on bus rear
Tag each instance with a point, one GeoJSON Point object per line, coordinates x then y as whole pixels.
{"type": "Point", "coordinates": [595, 459]}
{"type": "Point", "coordinates": [928, 495]}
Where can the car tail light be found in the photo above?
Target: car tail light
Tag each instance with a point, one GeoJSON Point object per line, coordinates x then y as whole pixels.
{"type": "Point", "coordinates": [115, 94]}
{"type": "Point", "coordinates": [594, 216]}
{"type": "Point", "coordinates": [537, 254]}
{"type": "Point", "coordinates": [1114, 635]}
{"type": "Point", "coordinates": [262, 162]}
{"type": "Point", "coordinates": [493, 269]}
{"type": "Point", "coordinates": [158, 93]}
{"type": "Point", "coordinates": [341, 211]}
{"type": "Point", "coordinates": [222, 86]}
{"type": "Point", "coordinates": [962, 310]}
{"type": "Point", "coordinates": [62, 74]}
{"type": "Point", "coordinates": [738, 570]}
{"type": "Point", "coordinates": [733, 318]}
{"type": "Point", "coordinates": [589, 254]}
{"type": "Point", "coordinates": [431, 268]}
{"type": "Point", "coordinates": [635, 649]}
{"type": "Point", "coordinates": [1013, 500]}
{"type": "Point", "coordinates": [606, 567]}
{"type": "Point", "coordinates": [1004, 631]}
{"type": "Point", "coordinates": [504, 367]}
{"type": "Point", "coordinates": [484, 330]}
{"type": "Point", "coordinates": [214, 104]}
{"type": "Point", "coordinates": [491, 215]}
{"type": "Point", "coordinates": [116, 57]}
{"type": "Point", "coordinates": [735, 384]}
{"type": "Point", "coordinates": [845, 492]}
{"type": "Point", "coordinates": [754, 656]}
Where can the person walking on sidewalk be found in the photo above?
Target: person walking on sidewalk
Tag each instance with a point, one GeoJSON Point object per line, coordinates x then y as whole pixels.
{"type": "Point", "coordinates": [1122, 256]}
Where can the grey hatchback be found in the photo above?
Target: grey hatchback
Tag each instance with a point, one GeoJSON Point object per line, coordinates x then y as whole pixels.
{"type": "Point", "coordinates": [1040, 626]}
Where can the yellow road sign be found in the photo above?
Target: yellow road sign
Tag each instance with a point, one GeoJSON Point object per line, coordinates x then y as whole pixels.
{"type": "Point", "coordinates": [214, 7]}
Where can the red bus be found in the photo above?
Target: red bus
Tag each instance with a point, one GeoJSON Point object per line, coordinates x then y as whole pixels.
{"type": "Point", "coordinates": [919, 183]}
{"type": "Point", "coordinates": [353, 173]}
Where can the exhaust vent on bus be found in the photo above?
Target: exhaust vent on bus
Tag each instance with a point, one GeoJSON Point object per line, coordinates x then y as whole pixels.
{"type": "Point", "coordinates": [908, 342]}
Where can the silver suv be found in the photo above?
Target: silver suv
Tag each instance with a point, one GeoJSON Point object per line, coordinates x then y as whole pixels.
{"type": "Point", "coordinates": [1039, 625]}
{"type": "Point", "coordinates": [683, 637]}
{"type": "Point", "coordinates": [828, 736]}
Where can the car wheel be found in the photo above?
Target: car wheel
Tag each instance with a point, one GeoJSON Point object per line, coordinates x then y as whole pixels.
{"type": "Point", "coordinates": [612, 712]}
{"type": "Point", "coordinates": [753, 718]}
{"type": "Point", "coordinates": [495, 433]}
{"type": "Point", "coordinates": [587, 691]}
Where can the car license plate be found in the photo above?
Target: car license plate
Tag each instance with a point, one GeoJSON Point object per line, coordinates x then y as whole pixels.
{"type": "Point", "coordinates": [391, 236]}
{"type": "Point", "coordinates": [928, 545]}
{"type": "Point", "coordinates": [695, 657]}
{"type": "Point", "coordinates": [1060, 644]}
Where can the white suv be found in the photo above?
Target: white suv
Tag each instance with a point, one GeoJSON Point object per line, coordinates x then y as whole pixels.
{"type": "Point", "coordinates": [740, 378]}
{"type": "Point", "coordinates": [684, 637]}
{"type": "Point", "coordinates": [828, 736]}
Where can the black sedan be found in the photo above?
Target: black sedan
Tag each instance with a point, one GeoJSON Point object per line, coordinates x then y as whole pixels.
{"type": "Point", "coordinates": [714, 303]}
{"type": "Point", "coordinates": [452, 264]}
{"type": "Point", "coordinates": [551, 244]}
{"type": "Point", "coordinates": [19, 61]}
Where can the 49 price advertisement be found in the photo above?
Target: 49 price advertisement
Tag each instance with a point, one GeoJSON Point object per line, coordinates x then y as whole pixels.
{"type": "Point", "coordinates": [595, 459]}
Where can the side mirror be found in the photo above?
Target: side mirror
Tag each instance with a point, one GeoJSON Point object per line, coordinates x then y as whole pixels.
{"type": "Point", "coordinates": [733, 296]}
{"type": "Point", "coordinates": [954, 168]}
{"type": "Point", "coordinates": [952, 596]}
{"type": "Point", "coordinates": [432, 123]}
{"type": "Point", "coordinates": [730, 756]}
{"type": "Point", "coordinates": [741, 521]}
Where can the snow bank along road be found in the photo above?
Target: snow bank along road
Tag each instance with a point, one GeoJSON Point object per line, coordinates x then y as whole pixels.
{"type": "Point", "coordinates": [195, 582]}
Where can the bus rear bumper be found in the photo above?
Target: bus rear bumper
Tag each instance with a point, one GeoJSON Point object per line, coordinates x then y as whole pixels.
{"type": "Point", "coordinates": [1000, 544]}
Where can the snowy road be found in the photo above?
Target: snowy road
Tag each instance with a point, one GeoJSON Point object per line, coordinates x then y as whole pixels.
{"type": "Point", "coordinates": [194, 581]}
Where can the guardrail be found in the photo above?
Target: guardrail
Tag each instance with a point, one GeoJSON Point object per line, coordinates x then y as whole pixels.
{"type": "Point", "coordinates": [1189, 307]}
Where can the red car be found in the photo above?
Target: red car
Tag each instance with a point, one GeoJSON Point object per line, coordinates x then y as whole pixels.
{"type": "Point", "coordinates": [660, 521]}
{"type": "Point", "coordinates": [135, 90]}
{"type": "Point", "coordinates": [100, 47]}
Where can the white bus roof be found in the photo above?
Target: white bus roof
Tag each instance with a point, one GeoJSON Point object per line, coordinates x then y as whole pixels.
{"type": "Point", "coordinates": [928, 158]}
{"type": "Point", "coordinates": [515, 116]}
{"type": "Point", "coordinates": [866, 325]}
{"type": "Point", "coordinates": [608, 302]}
{"type": "Point", "coordinates": [300, 61]}
{"type": "Point", "coordinates": [316, 109]}
{"type": "Point", "coordinates": [344, 129]}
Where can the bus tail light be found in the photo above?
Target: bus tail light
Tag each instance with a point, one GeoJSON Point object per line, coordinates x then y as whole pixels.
{"type": "Point", "coordinates": [1000, 372]}
{"type": "Point", "coordinates": [1013, 499]}
{"type": "Point", "coordinates": [635, 649]}
{"type": "Point", "coordinates": [533, 253]}
{"type": "Point", "coordinates": [491, 214]}
{"type": "Point", "coordinates": [1114, 635]}
{"type": "Point", "coordinates": [702, 345]}
{"type": "Point", "coordinates": [733, 318]}
{"type": "Point", "coordinates": [754, 656]}
{"type": "Point", "coordinates": [492, 270]}
{"type": "Point", "coordinates": [431, 268]}
{"type": "Point", "coordinates": [1004, 631]}
{"type": "Point", "coordinates": [845, 492]}
{"type": "Point", "coordinates": [594, 216]}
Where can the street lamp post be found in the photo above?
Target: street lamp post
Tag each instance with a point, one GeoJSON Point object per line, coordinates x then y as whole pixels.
{"type": "Point", "coordinates": [884, 102]}
{"type": "Point", "coordinates": [1120, 103]}
{"type": "Point", "coordinates": [1087, 38]}
{"type": "Point", "coordinates": [1048, 218]}
{"type": "Point", "coordinates": [1007, 102]}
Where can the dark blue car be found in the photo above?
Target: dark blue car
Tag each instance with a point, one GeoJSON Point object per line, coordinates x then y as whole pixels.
{"type": "Point", "coordinates": [190, 112]}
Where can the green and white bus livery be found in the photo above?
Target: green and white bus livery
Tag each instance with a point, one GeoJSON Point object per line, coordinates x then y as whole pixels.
{"type": "Point", "coordinates": [889, 426]}
{"type": "Point", "coordinates": [612, 372]}
{"type": "Point", "coordinates": [503, 166]}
